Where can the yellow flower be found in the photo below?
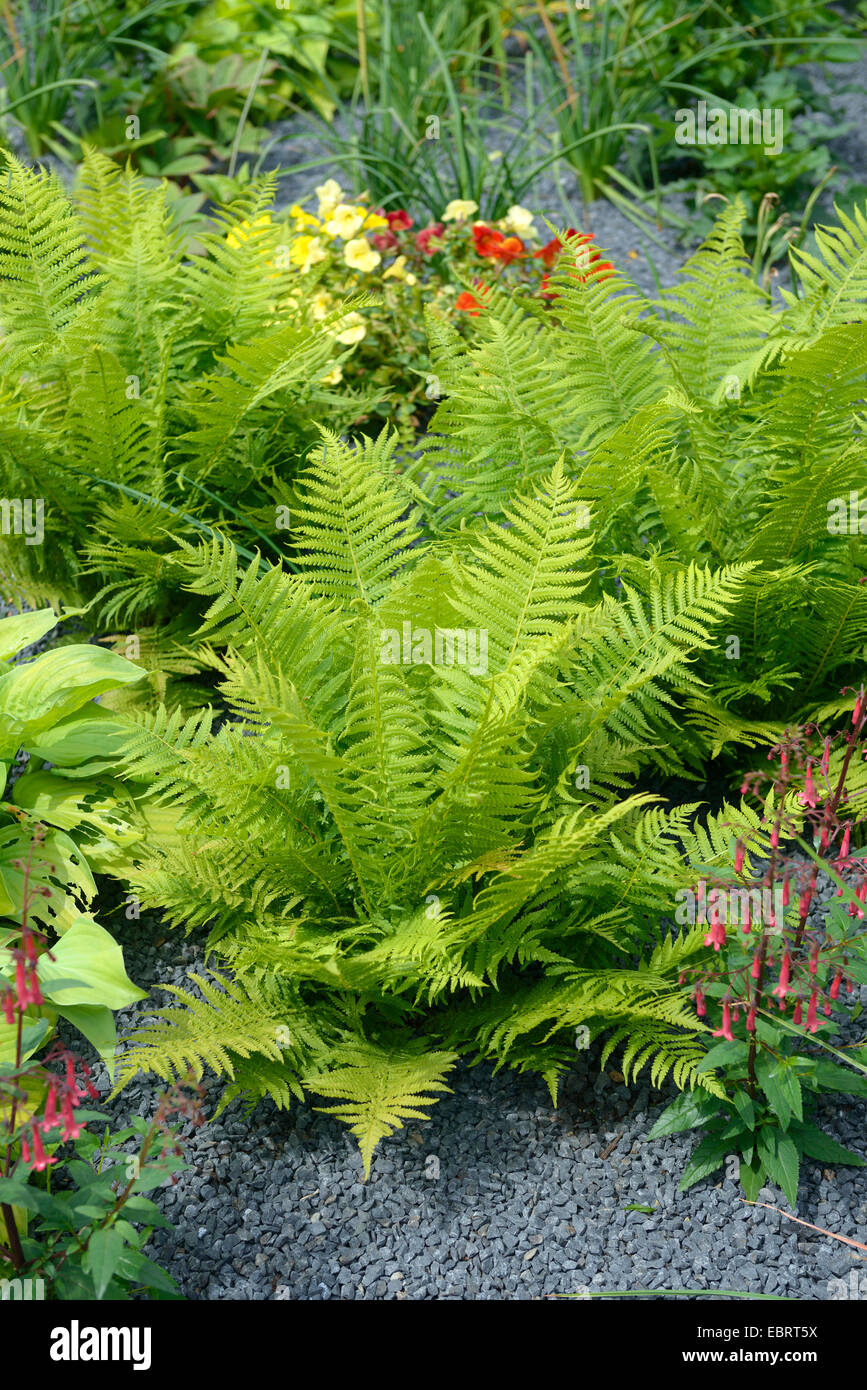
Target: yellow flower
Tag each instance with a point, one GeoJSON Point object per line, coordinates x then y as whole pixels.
{"type": "Point", "coordinates": [333, 377]}
{"type": "Point", "coordinates": [245, 229]}
{"type": "Point", "coordinates": [517, 219]}
{"type": "Point", "coordinates": [302, 218]}
{"type": "Point", "coordinates": [344, 221]}
{"type": "Point", "coordinates": [353, 329]}
{"type": "Point", "coordinates": [305, 251]}
{"type": "Point", "coordinates": [329, 194]}
{"type": "Point", "coordinates": [320, 303]}
{"type": "Point", "coordinates": [399, 271]}
{"type": "Point", "coordinates": [458, 209]}
{"type": "Point", "coordinates": [373, 220]}
{"type": "Point", "coordinates": [360, 255]}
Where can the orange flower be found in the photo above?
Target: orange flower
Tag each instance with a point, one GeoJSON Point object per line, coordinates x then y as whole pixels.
{"type": "Point", "coordinates": [468, 302]}
{"type": "Point", "coordinates": [492, 244]}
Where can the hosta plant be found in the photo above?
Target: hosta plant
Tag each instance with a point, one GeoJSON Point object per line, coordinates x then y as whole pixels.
{"type": "Point", "coordinates": [417, 837]}
{"type": "Point", "coordinates": [777, 985]}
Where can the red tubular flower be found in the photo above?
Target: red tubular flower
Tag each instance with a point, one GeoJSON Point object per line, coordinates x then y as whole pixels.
{"type": "Point", "coordinates": [725, 1029]}
{"type": "Point", "coordinates": [700, 1007]}
{"type": "Point", "coordinates": [50, 1118]}
{"type": "Point", "coordinates": [835, 984]}
{"type": "Point", "coordinates": [756, 967]}
{"type": "Point", "coordinates": [786, 892]}
{"type": "Point", "coordinates": [814, 960]}
{"type": "Point", "coordinates": [41, 1161]}
{"type": "Point", "coordinates": [8, 1007]}
{"type": "Point", "coordinates": [798, 1014]}
{"type": "Point", "coordinates": [844, 847]}
{"type": "Point", "coordinates": [812, 1021]}
{"type": "Point", "coordinates": [716, 937]}
{"type": "Point", "coordinates": [751, 1020]}
{"type": "Point", "coordinates": [739, 857]}
{"type": "Point", "coordinates": [859, 707]}
{"type": "Point", "coordinates": [782, 988]}
{"type": "Point", "coordinates": [25, 1151]}
{"type": "Point", "coordinates": [826, 758]}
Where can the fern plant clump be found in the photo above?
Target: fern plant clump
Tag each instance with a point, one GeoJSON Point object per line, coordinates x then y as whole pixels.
{"type": "Point", "coordinates": [415, 839]}
{"type": "Point", "coordinates": [710, 427]}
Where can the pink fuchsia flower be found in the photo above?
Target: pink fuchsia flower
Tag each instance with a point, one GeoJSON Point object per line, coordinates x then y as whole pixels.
{"type": "Point", "coordinates": [725, 1028]}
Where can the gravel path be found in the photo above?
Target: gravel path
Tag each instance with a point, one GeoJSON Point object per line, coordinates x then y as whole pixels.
{"type": "Point", "coordinates": [497, 1196]}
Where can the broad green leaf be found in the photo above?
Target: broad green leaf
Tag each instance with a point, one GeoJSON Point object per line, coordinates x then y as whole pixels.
{"type": "Point", "coordinates": [56, 863]}
{"type": "Point", "coordinates": [23, 629]}
{"type": "Point", "coordinates": [688, 1111]}
{"type": "Point", "coordinates": [96, 1023]}
{"type": "Point", "coordinates": [710, 1155]}
{"type": "Point", "coordinates": [91, 734]}
{"type": "Point", "coordinates": [104, 1250]}
{"type": "Point", "coordinates": [88, 953]}
{"type": "Point", "coordinates": [781, 1086]}
{"type": "Point", "coordinates": [814, 1143]}
{"type": "Point", "coordinates": [723, 1054]}
{"type": "Point", "coordinates": [66, 804]}
{"type": "Point", "coordinates": [780, 1157]}
{"type": "Point", "coordinates": [36, 695]}
{"type": "Point", "coordinates": [752, 1177]}
{"type": "Point", "coordinates": [828, 1076]}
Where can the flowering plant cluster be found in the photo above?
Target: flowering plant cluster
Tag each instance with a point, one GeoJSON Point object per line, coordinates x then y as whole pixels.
{"type": "Point", "coordinates": [776, 975]}
{"type": "Point", "coordinates": [346, 247]}
{"type": "Point", "coordinates": [79, 1239]}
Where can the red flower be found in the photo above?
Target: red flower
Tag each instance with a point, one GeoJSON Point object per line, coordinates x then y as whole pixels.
{"type": "Point", "coordinates": [551, 250]}
{"type": "Point", "coordinates": [486, 239]}
{"type": "Point", "coordinates": [428, 234]}
{"type": "Point", "coordinates": [725, 1030]}
{"type": "Point", "coordinates": [384, 241]}
{"type": "Point", "coordinates": [399, 220]}
{"type": "Point", "coordinates": [492, 244]}
{"type": "Point", "coordinates": [468, 301]}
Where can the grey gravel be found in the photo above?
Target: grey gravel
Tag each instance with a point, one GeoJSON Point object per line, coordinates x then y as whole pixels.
{"type": "Point", "coordinates": [519, 1204]}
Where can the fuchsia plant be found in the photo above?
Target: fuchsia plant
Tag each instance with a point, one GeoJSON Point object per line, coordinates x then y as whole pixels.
{"type": "Point", "coordinates": [81, 1248]}
{"type": "Point", "coordinates": [776, 977]}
